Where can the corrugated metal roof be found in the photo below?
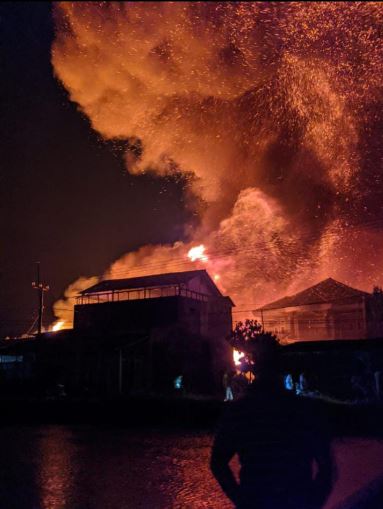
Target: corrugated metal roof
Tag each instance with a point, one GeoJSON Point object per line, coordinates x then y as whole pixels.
{"type": "Point", "coordinates": [328, 290]}
{"type": "Point", "coordinates": [153, 281]}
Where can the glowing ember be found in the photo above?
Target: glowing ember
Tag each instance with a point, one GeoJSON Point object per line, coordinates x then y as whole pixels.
{"type": "Point", "coordinates": [216, 277]}
{"type": "Point", "coordinates": [58, 326]}
{"type": "Point", "coordinates": [198, 253]}
{"type": "Point", "coordinates": [237, 356]}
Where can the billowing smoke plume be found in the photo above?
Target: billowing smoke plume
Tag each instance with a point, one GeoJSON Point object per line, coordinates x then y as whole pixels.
{"type": "Point", "coordinates": [63, 308]}
{"type": "Point", "coordinates": [273, 111]}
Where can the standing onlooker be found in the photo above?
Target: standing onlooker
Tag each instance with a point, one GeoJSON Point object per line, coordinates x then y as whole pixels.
{"type": "Point", "coordinates": [277, 437]}
{"type": "Point", "coordinates": [239, 385]}
{"type": "Point", "coordinates": [227, 378]}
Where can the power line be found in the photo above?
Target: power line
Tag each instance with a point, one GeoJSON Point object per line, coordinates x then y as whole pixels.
{"type": "Point", "coordinates": [16, 320]}
{"type": "Point", "coordinates": [33, 324]}
{"type": "Point", "coordinates": [181, 262]}
{"type": "Point", "coordinates": [284, 245]}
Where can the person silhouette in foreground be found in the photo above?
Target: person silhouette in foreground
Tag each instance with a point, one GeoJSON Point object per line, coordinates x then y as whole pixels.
{"type": "Point", "coordinates": [281, 441]}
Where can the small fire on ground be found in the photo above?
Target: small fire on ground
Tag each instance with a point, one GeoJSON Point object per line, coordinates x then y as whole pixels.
{"type": "Point", "coordinates": [58, 326]}
{"type": "Point", "coordinates": [237, 357]}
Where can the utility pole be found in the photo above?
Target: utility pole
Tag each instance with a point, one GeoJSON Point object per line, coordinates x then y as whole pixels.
{"type": "Point", "coordinates": [120, 371]}
{"type": "Point", "coordinates": [41, 288]}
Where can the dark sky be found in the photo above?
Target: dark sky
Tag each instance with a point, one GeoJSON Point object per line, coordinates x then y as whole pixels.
{"type": "Point", "coordinates": [65, 197]}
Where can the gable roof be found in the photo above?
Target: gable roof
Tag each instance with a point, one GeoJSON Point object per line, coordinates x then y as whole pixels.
{"type": "Point", "coordinates": [156, 280]}
{"type": "Point", "coordinates": [328, 290]}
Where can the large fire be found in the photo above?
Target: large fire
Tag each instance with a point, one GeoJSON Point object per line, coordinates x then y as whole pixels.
{"type": "Point", "coordinates": [273, 113]}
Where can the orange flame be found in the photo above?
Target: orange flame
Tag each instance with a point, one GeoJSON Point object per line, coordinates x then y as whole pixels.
{"type": "Point", "coordinates": [198, 253]}
{"type": "Point", "coordinates": [237, 356]}
{"type": "Point", "coordinates": [58, 326]}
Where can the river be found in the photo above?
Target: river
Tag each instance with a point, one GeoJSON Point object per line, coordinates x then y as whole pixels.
{"type": "Point", "coordinates": [62, 467]}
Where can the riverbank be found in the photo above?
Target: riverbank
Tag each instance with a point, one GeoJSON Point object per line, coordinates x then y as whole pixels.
{"type": "Point", "coordinates": [192, 413]}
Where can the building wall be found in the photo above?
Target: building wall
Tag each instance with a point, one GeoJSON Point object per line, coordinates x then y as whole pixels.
{"type": "Point", "coordinates": [193, 316]}
{"type": "Point", "coordinates": [208, 318]}
{"type": "Point", "coordinates": [199, 285]}
{"type": "Point", "coordinates": [127, 315]}
{"type": "Point", "coordinates": [340, 320]}
{"type": "Point", "coordinates": [186, 335]}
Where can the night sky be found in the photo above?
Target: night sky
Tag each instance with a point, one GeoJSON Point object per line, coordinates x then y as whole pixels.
{"type": "Point", "coordinates": [66, 198]}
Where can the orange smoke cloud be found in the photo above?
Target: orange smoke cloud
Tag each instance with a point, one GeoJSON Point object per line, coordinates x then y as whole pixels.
{"type": "Point", "coordinates": [266, 107]}
{"type": "Point", "coordinates": [63, 308]}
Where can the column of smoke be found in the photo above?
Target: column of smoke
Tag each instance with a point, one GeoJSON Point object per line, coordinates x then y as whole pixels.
{"type": "Point", "coordinates": [271, 110]}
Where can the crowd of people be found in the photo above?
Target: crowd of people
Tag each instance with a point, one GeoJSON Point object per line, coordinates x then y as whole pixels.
{"type": "Point", "coordinates": [235, 384]}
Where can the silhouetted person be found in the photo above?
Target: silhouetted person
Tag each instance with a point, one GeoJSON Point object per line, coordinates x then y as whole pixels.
{"type": "Point", "coordinates": [370, 496]}
{"type": "Point", "coordinates": [240, 385]}
{"type": "Point", "coordinates": [289, 382]}
{"type": "Point", "coordinates": [277, 436]}
{"type": "Point", "coordinates": [362, 384]}
{"type": "Point", "coordinates": [226, 382]}
{"type": "Point", "coordinates": [178, 384]}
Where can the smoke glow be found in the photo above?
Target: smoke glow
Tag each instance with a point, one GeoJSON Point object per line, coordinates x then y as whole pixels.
{"type": "Point", "coordinates": [271, 110]}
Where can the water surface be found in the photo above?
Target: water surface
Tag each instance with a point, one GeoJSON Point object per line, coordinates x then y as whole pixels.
{"type": "Point", "coordinates": [62, 467]}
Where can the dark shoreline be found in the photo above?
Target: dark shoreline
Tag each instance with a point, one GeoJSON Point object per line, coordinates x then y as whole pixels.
{"type": "Point", "coordinates": [343, 420]}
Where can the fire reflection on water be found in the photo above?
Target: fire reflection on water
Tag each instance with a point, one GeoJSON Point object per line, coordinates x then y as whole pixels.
{"type": "Point", "coordinates": [56, 468]}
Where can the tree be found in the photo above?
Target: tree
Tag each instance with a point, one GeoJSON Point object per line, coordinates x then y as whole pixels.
{"type": "Point", "coordinates": [256, 345]}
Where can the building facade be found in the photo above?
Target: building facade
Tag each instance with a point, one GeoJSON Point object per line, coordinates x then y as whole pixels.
{"type": "Point", "coordinates": [182, 319]}
{"type": "Point", "coordinates": [326, 311]}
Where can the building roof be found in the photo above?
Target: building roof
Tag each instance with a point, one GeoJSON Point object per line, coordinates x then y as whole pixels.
{"type": "Point", "coordinates": [153, 281]}
{"type": "Point", "coordinates": [328, 290]}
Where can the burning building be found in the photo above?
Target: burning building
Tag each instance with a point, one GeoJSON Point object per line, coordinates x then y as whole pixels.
{"type": "Point", "coordinates": [183, 318]}
{"type": "Point", "coordinates": [325, 311]}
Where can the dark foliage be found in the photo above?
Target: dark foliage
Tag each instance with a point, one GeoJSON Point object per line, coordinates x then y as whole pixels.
{"type": "Point", "coordinates": [257, 346]}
